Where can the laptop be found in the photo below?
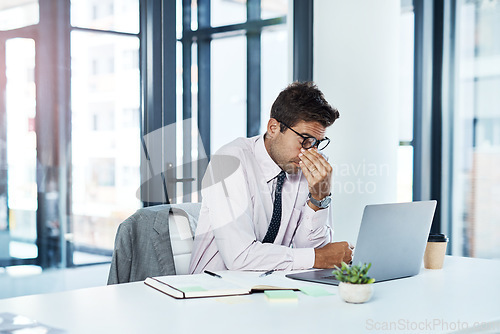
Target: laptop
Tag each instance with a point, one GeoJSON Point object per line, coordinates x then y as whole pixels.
{"type": "Point", "coordinates": [392, 237]}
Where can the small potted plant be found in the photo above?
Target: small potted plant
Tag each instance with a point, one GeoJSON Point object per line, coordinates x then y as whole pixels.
{"type": "Point", "coordinates": [355, 286]}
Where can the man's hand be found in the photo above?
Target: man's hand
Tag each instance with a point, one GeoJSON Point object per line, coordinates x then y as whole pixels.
{"type": "Point", "coordinates": [318, 173]}
{"type": "Point", "coordinates": [332, 255]}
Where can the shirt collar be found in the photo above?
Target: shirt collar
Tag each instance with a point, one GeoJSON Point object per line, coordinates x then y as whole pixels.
{"type": "Point", "coordinates": [269, 168]}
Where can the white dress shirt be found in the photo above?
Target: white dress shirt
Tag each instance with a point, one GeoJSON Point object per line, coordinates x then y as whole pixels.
{"type": "Point", "coordinates": [237, 206]}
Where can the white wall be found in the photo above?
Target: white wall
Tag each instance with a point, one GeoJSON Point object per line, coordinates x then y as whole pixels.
{"type": "Point", "coordinates": [356, 62]}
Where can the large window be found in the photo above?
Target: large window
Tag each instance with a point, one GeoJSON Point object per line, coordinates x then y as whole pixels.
{"type": "Point", "coordinates": [16, 14]}
{"type": "Point", "coordinates": [76, 76]}
{"type": "Point", "coordinates": [19, 165]}
{"type": "Point", "coordinates": [21, 147]}
{"type": "Point", "coordinates": [234, 63]}
{"type": "Point", "coordinates": [105, 126]}
{"type": "Point", "coordinates": [70, 114]}
{"type": "Point", "coordinates": [406, 68]}
{"type": "Point", "coordinates": [476, 130]}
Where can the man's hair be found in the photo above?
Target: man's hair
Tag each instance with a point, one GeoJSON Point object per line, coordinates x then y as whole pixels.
{"type": "Point", "coordinates": [303, 101]}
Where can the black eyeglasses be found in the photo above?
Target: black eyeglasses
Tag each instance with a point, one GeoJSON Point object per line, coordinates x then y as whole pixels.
{"type": "Point", "coordinates": [309, 141]}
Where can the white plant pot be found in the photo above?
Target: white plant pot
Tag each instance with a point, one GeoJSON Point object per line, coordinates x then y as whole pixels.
{"type": "Point", "coordinates": [355, 293]}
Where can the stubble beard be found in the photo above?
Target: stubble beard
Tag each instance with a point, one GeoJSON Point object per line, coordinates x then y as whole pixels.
{"type": "Point", "coordinates": [289, 166]}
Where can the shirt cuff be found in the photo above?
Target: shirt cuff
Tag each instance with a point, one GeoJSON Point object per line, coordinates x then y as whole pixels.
{"type": "Point", "coordinates": [314, 219]}
{"type": "Point", "coordinates": [303, 258]}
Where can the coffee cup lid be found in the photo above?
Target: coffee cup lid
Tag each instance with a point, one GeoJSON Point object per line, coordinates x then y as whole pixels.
{"type": "Point", "coordinates": [437, 237]}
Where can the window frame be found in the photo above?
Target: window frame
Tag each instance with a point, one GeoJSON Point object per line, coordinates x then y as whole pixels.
{"type": "Point", "coordinates": [203, 36]}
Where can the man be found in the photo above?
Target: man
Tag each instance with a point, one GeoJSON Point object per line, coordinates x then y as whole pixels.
{"type": "Point", "coordinates": [265, 200]}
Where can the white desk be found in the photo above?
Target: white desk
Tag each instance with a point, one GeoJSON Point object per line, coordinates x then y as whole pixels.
{"type": "Point", "coordinates": [428, 302]}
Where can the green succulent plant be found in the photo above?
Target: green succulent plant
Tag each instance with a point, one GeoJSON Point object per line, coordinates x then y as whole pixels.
{"type": "Point", "coordinates": [355, 274]}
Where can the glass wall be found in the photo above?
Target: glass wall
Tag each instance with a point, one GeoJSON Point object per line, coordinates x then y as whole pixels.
{"type": "Point", "coordinates": [229, 87]}
{"type": "Point", "coordinates": [69, 172]}
{"type": "Point", "coordinates": [476, 131]}
{"type": "Point", "coordinates": [229, 69]}
{"type": "Point", "coordinates": [105, 127]}
{"type": "Point", "coordinates": [21, 147]}
{"type": "Point", "coordinates": [89, 109]}
{"type": "Point", "coordinates": [406, 66]}
{"type": "Point", "coordinates": [18, 133]}
{"type": "Point", "coordinates": [275, 76]}
{"type": "Point", "coordinates": [16, 14]}
{"type": "Point", "coordinates": [228, 78]}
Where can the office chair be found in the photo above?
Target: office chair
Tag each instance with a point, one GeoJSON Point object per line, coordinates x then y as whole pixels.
{"type": "Point", "coordinates": [154, 241]}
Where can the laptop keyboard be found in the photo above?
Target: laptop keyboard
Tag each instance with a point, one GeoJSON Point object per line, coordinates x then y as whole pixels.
{"type": "Point", "coordinates": [333, 278]}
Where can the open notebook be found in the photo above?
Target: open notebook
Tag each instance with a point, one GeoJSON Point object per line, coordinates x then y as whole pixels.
{"type": "Point", "coordinates": [203, 285]}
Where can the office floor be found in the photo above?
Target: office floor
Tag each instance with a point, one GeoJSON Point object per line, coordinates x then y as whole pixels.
{"type": "Point", "coordinates": [26, 280]}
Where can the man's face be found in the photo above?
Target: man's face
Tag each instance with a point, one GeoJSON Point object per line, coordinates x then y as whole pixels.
{"type": "Point", "coordinates": [284, 147]}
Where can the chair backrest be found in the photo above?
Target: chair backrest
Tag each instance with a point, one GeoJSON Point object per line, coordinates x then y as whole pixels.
{"type": "Point", "coordinates": [181, 239]}
{"type": "Point", "coordinates": [141, 249]}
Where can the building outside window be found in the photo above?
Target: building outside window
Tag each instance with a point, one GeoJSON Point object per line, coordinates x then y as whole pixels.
{"type": "Point", "coordinates": [102, 149]}
{"type": "Point", "coordinates": [406, 67]}
{"type": "Point", "coordinates": [240, 50]}
{"type": "Point", "coordinates": [105, 90]}
{"type": "Point", "coordinates": [47, 218]}
{"type": "Point", "coordinates": [476, 130]}
{"type": "Point", "coordinates": [18, 133]}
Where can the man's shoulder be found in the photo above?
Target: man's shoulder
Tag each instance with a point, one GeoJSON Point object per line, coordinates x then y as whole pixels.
{"type": "Point", "coordinates": [231, 159]}
{"type": "Point", "coordinates": [240, 147]}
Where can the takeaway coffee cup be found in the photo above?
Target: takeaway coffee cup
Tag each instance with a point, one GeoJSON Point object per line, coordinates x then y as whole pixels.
{"type": "Point", "coordinates": [435, 251]}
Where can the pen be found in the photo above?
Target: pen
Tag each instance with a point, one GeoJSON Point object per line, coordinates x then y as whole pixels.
{"type": "Point", "coordinates": [269, 272]}
{"type": "Point", "coordinates": [212, 274]}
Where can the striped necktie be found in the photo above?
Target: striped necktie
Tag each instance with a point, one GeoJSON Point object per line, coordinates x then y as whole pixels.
{"type": "Point", "coordinates": [272, 231]}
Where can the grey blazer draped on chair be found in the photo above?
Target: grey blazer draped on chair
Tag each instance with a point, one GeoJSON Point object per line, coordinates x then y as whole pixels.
{"type": "Point", "coordinates": [142, 243]}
